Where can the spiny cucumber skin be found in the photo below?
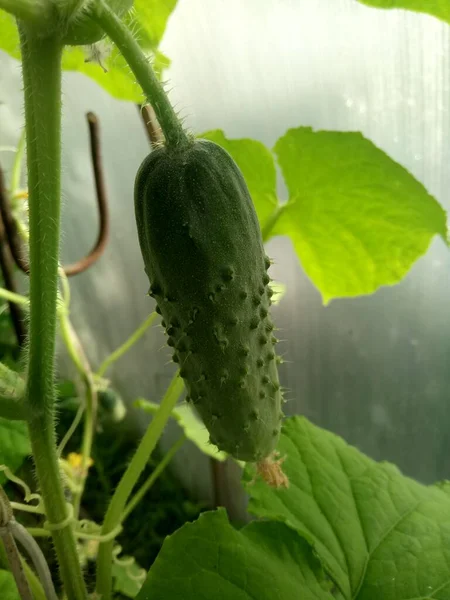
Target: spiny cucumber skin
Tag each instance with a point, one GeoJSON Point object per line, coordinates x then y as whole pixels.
{"type": "Point", "coordinates": [204, 256]}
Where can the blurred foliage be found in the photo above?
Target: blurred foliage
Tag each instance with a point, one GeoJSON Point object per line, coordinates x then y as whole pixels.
{"type": "Point", "coordinates": [436, 8]}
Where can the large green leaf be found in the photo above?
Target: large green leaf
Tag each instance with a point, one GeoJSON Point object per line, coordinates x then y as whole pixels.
{"type": "Point", "coordinates": [8, 586]}
{"type": "Point", "coordinates": [258, 167]}
{"type": "Point", "coordinates": [14, 444]}
{"type": "Point", "coordinates": [436, 8]}
{"type": "Point", "coordinates": [104, 63]}
{"type": "Point", "coordinates": [378, 534]}
{"type": "Point", "coordinates": [148, 21]}
{"type": "Point", "coordinates": [210, 560]}
{"type": "Point", "coordinates": [358, 220]}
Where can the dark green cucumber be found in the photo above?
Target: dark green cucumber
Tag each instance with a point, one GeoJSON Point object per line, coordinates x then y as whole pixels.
{"type": "Point", "coordinates": [204, 256]}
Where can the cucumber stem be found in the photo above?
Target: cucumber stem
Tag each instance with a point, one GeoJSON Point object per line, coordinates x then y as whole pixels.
{"type": "Point", "coordinates": [41, 67]}
{"type": "Point", "coordinates": [145, 75]}
{"type": "Point", "coordinates": [114, 514]}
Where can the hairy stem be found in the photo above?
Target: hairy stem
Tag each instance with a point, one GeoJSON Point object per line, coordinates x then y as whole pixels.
{"type": "Point", "coordinates": [129, 479]}
{"type": "Point", "coordinates": [41, 63]}
{"type": "Point", "coordinates": [142, 70]}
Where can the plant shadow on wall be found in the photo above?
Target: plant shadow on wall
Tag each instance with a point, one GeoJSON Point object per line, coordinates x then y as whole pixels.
{"type": "Point", "coordinates": [331, 522]}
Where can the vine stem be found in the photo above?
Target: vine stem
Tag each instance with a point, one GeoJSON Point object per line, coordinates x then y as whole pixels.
{"type": "Point", "coordinates": [142, 70]}
{"type": "Point", "coordinates": [129, 479]}
{"type": "Point", "coordinates": [17, 165]}
{"type": "Point", "coordinates": [34, 583]}
{"type": "Point", "coordinates": [81, 362]}
{"type": "Point", "coordinates": [41, 65]}
{"type": "Point", "coordinates": [16, 566]}
{"type": "Point", "coordinates": [13, 297]}
{"type": "Point", "coordinates": [134, 337]}
{"type": "Point", "coordinates": [138, 496]}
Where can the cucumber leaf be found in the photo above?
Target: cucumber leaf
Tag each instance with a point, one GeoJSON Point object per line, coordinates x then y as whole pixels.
{"type": "Point", "coordinates": [14, 445]}
{"type": "Point", "coordinates": [8, 586]}
{"type": "Point", "coordinates": [209, 559]}
{"type": "Point", "coordinates": [148, 21]}
{"type": "Point", "coordinates": [358, 220]}
{"type": "Point", "coordinates": [102, 62]}
{"type": "Point", "coordinates": [377, 533]}
{"type": "Point", "coordinates": [436, 8]}
{"type": "Point", "coordinates": [258, 167]}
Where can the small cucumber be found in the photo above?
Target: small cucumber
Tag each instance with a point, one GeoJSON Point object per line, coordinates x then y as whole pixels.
{"type": "Point", "coordinates": [204, 256]}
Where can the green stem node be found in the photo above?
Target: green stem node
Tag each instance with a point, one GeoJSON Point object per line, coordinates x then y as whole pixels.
{"type": "Point", "coordinates": [41, 64]}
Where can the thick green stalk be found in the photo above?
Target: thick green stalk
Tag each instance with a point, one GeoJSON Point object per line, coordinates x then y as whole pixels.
{"type": "Point", "coordinates": [139, 495]}
{"type": "Point", "coordinates": [129, 479]}
{"type": "Point", "coordinates": [32, 11]}
{"type": "Point", "coordinates": [142, 70]}
{"type": "Point", "coordinates": [41, 63]}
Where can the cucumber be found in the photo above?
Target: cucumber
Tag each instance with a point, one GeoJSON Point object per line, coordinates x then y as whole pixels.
{"type": "Point", "coordinates": [203, 252]}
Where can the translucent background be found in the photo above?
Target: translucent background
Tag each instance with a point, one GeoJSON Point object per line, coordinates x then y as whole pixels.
{"type": "Point", "coordinates": [375, 369]}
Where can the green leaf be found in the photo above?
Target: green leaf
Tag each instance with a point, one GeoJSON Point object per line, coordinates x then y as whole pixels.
{"type": "Point", "coordinates": [357, 219]}
{"type": "Point", "coordinates": [111, 73]}
{"type": "Point", "coordinates": [436, 8]}
{"type": "Point", "coordinates": [105, 64]}
{"type": "Point", "coordinates": [377, 533]}
{"type": "Point", "coordinates": [192, 426]}
{"type": "Point", "coordinates": [8, 586]}
{"type": "Point", "coordinates": [148, 20]}
{"type": "Point", "coordinates": [127, 577]}
{"type": "Point", "coordinates": [258, 167]}
{"type": "Point", "coordinates": [161, 62]}
{"type": "Point", "coordinates": [14, 444]}
{"type": "Point", "coordinates": [209, 559]}
{"type": "Point", "coordinates": [9, 37]}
